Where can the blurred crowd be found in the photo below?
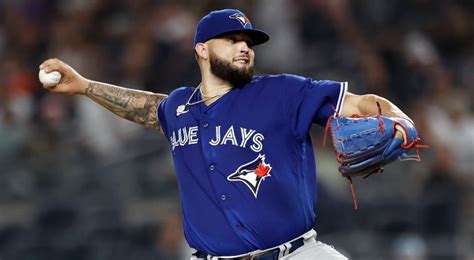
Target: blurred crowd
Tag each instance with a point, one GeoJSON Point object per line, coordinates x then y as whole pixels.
{"type": "Point", "coordinates": [77, 183]}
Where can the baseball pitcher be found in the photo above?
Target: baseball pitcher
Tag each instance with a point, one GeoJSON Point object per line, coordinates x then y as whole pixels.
{"type": "Point", "coordinates": [241, 145]}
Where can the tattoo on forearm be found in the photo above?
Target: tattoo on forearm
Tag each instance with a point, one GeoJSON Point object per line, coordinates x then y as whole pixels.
{"type": "Point", "coordinates": [134, 105]}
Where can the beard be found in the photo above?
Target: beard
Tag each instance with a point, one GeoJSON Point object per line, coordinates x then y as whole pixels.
{"type": "Point", "coordinates": [225, 70]}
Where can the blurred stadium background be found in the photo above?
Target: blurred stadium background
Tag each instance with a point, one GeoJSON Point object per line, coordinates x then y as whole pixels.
{"type": "Point", "coordinates": [78, 183]}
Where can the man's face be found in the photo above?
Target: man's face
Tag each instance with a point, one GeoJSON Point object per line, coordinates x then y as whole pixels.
{"type": "Point", "coordinates": [231, 58]}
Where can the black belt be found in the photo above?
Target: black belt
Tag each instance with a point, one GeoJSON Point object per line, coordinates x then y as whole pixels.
{"type": "Point", "coordinates": [271, 254]}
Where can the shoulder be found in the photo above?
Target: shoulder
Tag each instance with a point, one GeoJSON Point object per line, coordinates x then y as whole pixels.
{"type": "Point", "coordinates": [167, 107]}
{"type": "Point", "coordinates": [180, 93]}
{"type": "Point", "coordinates": [295, 83]}
{"type": "Point", "coordinates": [177, 97]}
{"type": "Point", "coordinates": [283, 82]}
{"type": "Point", "coordinates": [279, 78]}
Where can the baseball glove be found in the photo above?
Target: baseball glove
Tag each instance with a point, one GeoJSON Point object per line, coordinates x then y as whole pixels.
{"type": "Point", "coordinates": [364, 144]}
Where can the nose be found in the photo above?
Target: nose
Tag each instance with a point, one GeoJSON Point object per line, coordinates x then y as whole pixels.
{"type": "Point", "coordinates": [243, 47]}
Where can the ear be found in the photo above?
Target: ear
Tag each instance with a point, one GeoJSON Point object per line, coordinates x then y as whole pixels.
{"type": "Point", "coordinates": [201, 51]}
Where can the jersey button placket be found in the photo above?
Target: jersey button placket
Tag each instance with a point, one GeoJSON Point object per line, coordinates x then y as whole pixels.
{"type": "Point", "coordinates": [209, 154]}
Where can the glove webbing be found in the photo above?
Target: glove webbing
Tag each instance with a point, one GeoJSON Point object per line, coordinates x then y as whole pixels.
{"type": "Point", "coordinates": [413, 144]}
{"type": "Point", "coordinates": [381, 129]}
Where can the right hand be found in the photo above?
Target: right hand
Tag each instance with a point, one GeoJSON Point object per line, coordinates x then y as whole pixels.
{"type": "Point", "coordinates": [71, 81]}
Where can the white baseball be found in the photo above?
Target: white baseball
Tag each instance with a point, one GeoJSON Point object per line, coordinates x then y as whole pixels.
{"type": "Point", "coordinates": [49, 79]}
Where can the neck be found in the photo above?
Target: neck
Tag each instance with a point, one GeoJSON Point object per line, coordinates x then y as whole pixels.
{"type": "Point", "coordinates": [213, 86]}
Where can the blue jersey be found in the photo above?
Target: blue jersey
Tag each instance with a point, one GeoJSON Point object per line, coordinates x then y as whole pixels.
{"type": "Point", "coordinates": [245, 163]}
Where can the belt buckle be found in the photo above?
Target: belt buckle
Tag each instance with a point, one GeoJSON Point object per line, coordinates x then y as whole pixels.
{"type": "Point", "coordinates": [253, 257]}
{"type": "Point", "coordinates": [259, 254]}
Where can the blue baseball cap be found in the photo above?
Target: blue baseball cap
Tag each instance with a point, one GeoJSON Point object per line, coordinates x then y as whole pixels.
{"type": "Point", "coordinates": [224, 21]}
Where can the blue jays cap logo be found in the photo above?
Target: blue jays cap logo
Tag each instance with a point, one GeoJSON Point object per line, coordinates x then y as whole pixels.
{"type": "Point", "coordinates": [252, 173]}
{"type": "Point", "coordinates": [223, 21]}
{"type": "Point", "coordinates": [241, 18]}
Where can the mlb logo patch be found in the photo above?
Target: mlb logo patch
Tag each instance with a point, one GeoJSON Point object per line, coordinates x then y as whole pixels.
{"type": "Point", "coordinates": [252, 173]}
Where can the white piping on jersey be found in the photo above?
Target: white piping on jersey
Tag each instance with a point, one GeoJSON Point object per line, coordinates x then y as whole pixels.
{"type": "Point", "coordinates": [340, 99]}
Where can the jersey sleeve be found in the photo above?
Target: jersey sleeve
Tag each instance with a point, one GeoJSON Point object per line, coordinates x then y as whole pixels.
{"type": "Point", "coordinates": [313, 101]}
{"type": "Point", "coordinates": [160, 112]}
{"type": "Point", "coordinates": [166, 111]}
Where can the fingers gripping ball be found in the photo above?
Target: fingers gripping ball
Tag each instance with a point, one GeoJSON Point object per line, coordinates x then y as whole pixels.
{"type": "Point", "coordinates": [50, 79]}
